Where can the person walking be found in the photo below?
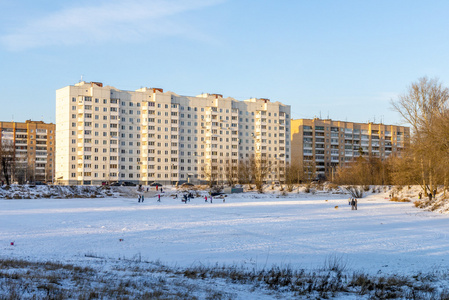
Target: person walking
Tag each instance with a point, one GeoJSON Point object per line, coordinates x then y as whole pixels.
{"type": "Point", "coordinates": [355, 203]}
{"type": "Point", "coordinates": [143, 198]}
{"type": "Point", "coordinates": [158, 197]}
{"type": "Point", "coordinates": [352, 204]}
{"type": "Point", "coordinates": [205, 198]}
{"type": "Point", "coordinates": [211, 199]}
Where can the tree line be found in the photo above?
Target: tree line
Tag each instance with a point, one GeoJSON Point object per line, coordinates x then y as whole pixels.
{"type": "Point", "coordinates": [424, 106]}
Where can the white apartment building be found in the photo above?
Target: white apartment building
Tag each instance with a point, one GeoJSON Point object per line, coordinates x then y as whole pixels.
{"type": "Point", "coordinates": [105, 135]}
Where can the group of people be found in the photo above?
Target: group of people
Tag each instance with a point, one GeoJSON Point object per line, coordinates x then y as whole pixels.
{"type": "Point", "coordinates": [353, 202]}
{"type": "Point", "coordinates": [186, 197]}
{"type": "Point", "coordinates": [141, 198]}
{"type": "Point", "coordinates": [430, 195]}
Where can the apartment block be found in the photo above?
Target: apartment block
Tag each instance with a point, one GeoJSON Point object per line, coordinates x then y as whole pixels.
{"type": "Point", "coordinates": [322, 145]}
{"type": "Point", "coordinates": [33, 144]}
{"type": "Point", "coordinates": [106, 135]}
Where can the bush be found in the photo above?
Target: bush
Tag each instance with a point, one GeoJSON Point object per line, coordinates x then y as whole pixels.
{"type": "Point", "coordinates": [307, 189]}
{"type": "Point", "coordinates": [396, 199]}
{"type": "Point", "coordinates": [419, 204]}
{"type": "Point", "coordinates": [355, 191]}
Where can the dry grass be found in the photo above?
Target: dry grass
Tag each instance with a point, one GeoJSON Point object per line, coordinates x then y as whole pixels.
{"type": "Point", "coordinates": [398, 199]}
{"type": "Point", "coordinates": [419, 204]}
{"type": "Point", "coordinates": [130, 279]}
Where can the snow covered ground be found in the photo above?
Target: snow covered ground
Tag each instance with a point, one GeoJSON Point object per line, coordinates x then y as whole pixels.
{"type": "Point", "coordinates": [258, 230]}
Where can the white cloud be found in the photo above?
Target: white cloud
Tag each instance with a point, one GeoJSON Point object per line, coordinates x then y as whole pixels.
{"type": "Point", "coordinates": [112, 20]}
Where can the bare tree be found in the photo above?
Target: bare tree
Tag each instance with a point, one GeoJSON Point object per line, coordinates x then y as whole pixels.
{"type": "Point", "coordinates": [231, 172]}
{"type": "Point", "coordinates": [7, 160]}
{"type": "Point", "coordinates": [260, 168]}
{"type": "Point", "coordinates": [21, 168]}
{"type": "Point", "coordinates": [307, 171]}
{"type": "Point", "coordinates": [364, 171]}
{"type": "Point", "coordinates": [210, 174]}
{"type": "Point", "coordinates": [244, 172]}
{"type": "Point", "coordinates": [422, 106]}
{"type": "Point", "coordinates": [292, 172]}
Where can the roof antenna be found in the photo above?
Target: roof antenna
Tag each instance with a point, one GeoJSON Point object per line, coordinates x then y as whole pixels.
{"type": "Point", "coordinates": [320, 114]}
{"type": "Point", "coordinates": [81, 78]}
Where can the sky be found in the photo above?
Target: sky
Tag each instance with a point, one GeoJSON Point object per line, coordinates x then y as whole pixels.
{"type": "Point", "coordinates": [345, 60]}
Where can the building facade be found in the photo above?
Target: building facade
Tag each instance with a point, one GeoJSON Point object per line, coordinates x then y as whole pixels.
{"type": "Point", "coordinates": [106, 135]}
{"type": "Point", "coordinates": [33, 146]}
{"type": "Point", "coordinates": [319, 146]}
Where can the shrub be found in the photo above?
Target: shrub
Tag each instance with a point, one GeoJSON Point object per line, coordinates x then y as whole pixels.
{"type": "Point", "coordinates": [355, 191]}
{"type": "Point", "coordinates": [396, 199]}
{"type": "Point", "coordinates": [419, 204]}
{"type": "Point", "coordinates": [307, 189]}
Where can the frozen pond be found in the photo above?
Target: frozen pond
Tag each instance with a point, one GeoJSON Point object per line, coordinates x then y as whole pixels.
{"type": "Point", "coordinates": [301, 230]}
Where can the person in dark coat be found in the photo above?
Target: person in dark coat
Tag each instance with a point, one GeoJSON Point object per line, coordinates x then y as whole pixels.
{"type": "Point", "coordinates": [352, 204]}
{"type": "Point", "coordinates": [355, 203]}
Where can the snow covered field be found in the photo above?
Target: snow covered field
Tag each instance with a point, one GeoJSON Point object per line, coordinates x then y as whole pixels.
{"type": "Point", "coordinates": [300, 230]}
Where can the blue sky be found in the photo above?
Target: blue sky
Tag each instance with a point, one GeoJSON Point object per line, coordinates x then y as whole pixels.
{"type": "Point", "coordinates": [343, 59]}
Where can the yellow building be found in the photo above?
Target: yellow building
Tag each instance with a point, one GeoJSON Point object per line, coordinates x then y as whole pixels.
{"type": "Point", "coordinates": [33, 144]}
{"type": "Point", "coordinates": [322, 145]}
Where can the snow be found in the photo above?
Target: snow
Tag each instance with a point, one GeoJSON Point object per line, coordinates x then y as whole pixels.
{"type": "Point", "coordinates": [301, 230]}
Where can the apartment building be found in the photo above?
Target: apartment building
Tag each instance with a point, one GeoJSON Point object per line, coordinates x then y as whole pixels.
{"type": "Point", "coordinates": [322, 145]}
{"type": "Point", "coordinates": [33, 145]}
{"type": "Point", "coordinates": [106, 135]}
